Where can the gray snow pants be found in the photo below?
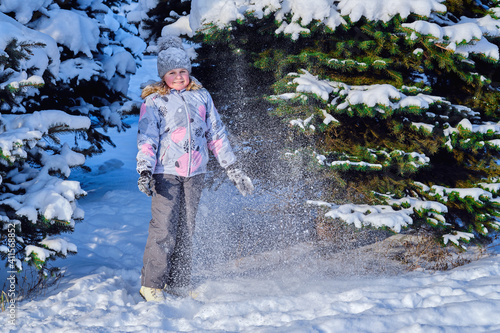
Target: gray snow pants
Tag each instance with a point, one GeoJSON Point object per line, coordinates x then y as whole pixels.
{"type": "Point", "coordinates": [167, 257]}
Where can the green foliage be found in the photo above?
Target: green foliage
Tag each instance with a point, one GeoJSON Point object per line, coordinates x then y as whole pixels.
{"type": "Point", "coordinates": [10, 61]}
{"type": "Point", "coordinates": [385, 147]}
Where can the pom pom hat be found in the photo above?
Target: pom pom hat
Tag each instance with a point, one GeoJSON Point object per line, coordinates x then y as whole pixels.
{"type": "Point", "coordinates": [171, 55]}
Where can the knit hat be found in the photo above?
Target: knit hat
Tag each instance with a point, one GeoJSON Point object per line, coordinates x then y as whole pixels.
{"type": "Point", "coordinates": [171, 55]}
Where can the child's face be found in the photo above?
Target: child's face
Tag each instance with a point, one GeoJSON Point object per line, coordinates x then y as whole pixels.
{"type": "Point", "coordinates": [177, 78]}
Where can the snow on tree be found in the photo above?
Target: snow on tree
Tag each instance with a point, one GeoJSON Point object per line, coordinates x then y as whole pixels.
{"type": "Point", "coordinates": [150, 16]}
{"type": "Point", "coordinates": [64, 73]}
{"type": "Point", "coordinates": [397, 98]}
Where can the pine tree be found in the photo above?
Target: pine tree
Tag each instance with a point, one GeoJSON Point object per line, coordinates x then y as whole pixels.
{"type": "Point", "coordinates": [57, 95]}
{"type": "Point", "coordinates": [396, 109]}
{"type": "Point", "coordinates": [150, 17]}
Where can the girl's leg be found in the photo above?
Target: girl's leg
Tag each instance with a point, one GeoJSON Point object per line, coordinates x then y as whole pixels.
{"type": "Point", "coordinates": [162, 234]}
{"type": "Point", "coordinates": [180, 271]}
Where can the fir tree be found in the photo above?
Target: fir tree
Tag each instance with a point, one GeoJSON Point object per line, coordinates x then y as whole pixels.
{"type": "Point", "coordinates": [398, 111]}
{"type": "Point", "coordinates": [150, 17]}
{"type": "Point", "coordinates": [56, 100]}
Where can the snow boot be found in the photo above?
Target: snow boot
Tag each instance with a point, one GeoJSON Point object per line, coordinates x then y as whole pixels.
{"type": "Point", "coordinates": [152, 294]}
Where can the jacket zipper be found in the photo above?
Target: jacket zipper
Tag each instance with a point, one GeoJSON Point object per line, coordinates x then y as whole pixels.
{"type": "Point", "coordinates": [189, 134]}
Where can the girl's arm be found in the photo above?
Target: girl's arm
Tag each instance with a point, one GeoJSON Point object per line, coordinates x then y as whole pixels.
{"type": "Point", "coordinates": [218, 143]}
{"type": "Point", "coordinates": [148, 137]}
{"type": "Point", "coordinates": [217, 138]}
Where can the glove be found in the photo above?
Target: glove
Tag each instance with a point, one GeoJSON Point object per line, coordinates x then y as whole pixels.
{"type": "Point", "coordinates": [146, 183]}
{"type": "Point", "coordinates": [242, 182]}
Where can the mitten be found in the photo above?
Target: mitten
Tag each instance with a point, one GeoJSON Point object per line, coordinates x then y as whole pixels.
{"type": "Point", "coordinates": [242, 182]}
{"type": "Point", "coordinates": [146, 183]}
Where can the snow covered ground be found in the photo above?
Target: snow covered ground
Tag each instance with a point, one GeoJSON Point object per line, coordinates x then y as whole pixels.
{"type": "Point", "coordinates": [290, 289]}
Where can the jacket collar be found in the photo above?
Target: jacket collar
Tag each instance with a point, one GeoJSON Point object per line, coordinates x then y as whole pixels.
{"type": "Point", "coordinates": [177, 91]}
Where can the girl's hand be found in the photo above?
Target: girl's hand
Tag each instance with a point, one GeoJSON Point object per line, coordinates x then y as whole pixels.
{"type": "Point", "coordinates": [146, 183]}
{"type": "Point", "coordinates": [242, 182]}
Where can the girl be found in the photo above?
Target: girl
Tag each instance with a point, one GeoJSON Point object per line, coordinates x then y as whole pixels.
{"type": "Point", "coordinates": [178, 124]}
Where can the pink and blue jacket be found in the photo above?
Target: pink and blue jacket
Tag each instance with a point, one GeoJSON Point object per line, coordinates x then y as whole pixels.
{"type": "Point", "coordinates": [177, 130]}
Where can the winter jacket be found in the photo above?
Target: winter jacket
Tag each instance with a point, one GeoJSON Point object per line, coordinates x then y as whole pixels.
{"type": "Point", "coordinates": [177, 130]}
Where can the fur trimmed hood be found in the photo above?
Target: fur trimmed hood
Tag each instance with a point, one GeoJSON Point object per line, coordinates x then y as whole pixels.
{"type": "Point", "coordinates": [161, 87]}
